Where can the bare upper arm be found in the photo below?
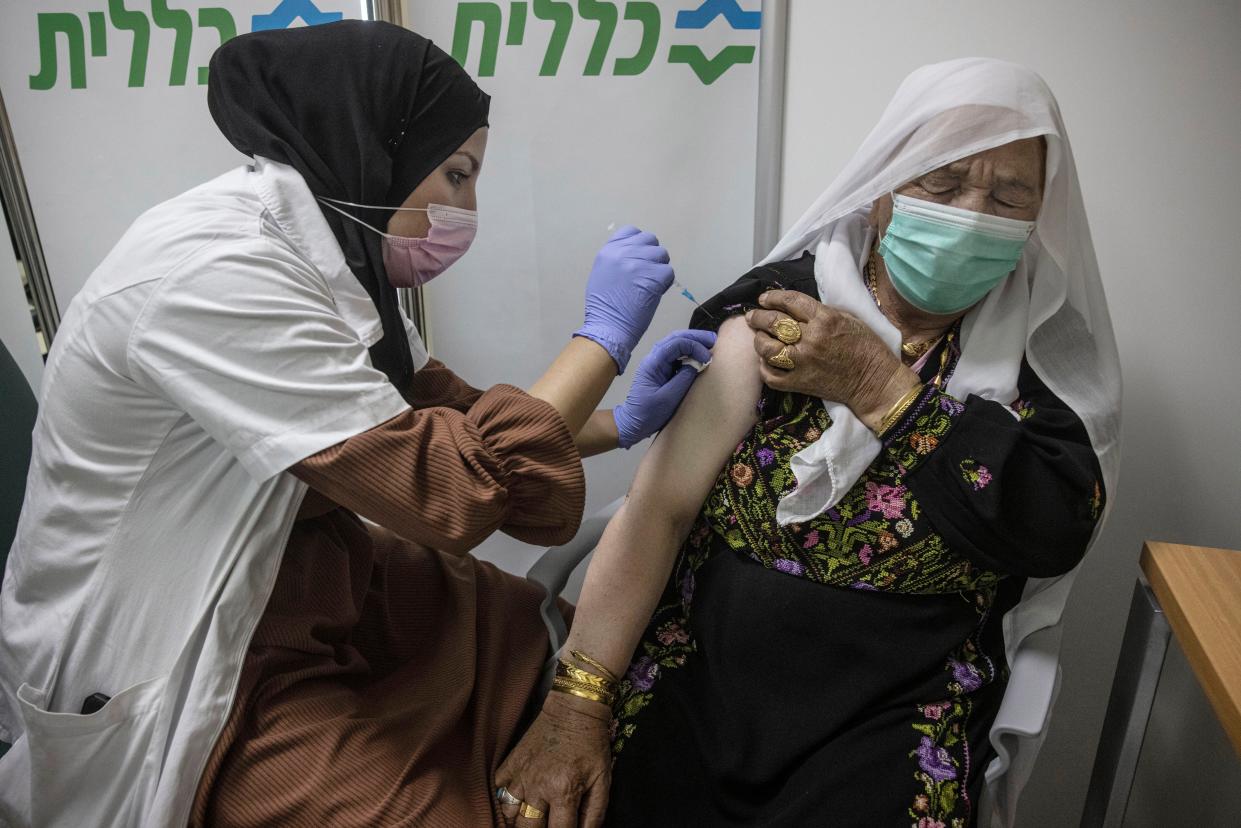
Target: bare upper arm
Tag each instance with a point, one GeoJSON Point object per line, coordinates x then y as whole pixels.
{"type": "Point", "coordinates": [678, 471]}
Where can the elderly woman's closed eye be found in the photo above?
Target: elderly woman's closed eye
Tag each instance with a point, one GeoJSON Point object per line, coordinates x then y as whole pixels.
{"type": "Point", "coordinates": [798, 616]}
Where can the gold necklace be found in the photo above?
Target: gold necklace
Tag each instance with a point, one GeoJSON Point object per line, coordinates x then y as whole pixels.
{"type": "Point", "coordinates": [911, 350]}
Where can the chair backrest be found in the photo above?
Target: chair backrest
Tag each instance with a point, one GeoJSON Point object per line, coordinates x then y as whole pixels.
{"type": "Point", "coordinates": [1020, 725]}
{"type": "Point", "coordinates": [18, 409]}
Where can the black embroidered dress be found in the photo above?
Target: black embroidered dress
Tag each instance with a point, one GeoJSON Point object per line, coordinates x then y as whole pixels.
{"type": "Point", "coordinates": [846, 671]}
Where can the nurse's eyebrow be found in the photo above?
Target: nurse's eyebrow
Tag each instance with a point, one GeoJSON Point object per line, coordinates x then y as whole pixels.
{"type": "Point", "coordinates": [474, 162]}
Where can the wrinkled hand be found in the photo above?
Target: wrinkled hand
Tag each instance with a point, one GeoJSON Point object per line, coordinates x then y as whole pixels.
{"type": "Point", "coordinates": [562, 766]}
{"type": "Point", "coordinates": [838, 357]}
{"type": "Point", "coordinates": [660, 384]}
{"type": "Point", "coordinates": [629, 276]}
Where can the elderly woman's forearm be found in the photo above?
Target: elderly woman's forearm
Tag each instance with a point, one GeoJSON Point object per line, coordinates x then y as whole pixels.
{"type": "Point", "coordinates": [624, 582]}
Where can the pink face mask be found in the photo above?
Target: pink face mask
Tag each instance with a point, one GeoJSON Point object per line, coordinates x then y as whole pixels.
{"type": "Point", "coordinates": [411, 262]}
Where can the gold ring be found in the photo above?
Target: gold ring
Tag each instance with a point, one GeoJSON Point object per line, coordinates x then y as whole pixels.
{"type": "Point", "coordinates": [528, 811]}
{"type": "Point", "coordinates": [781, 360]}
{"type": "Point", "coordinates": [787, 330]}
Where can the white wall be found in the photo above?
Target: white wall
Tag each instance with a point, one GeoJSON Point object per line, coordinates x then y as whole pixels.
{"type": "Point", "coordinates": [1151, 95]}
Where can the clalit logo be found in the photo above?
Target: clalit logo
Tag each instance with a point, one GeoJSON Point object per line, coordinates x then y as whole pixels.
{"type": "Point", "coordinates": [557, 17]}
{"type": "Point", "coordinates": [122, 26]}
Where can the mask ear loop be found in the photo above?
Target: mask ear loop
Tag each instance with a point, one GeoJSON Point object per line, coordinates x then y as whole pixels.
{"type": "Point", "coordinates": [354, 218]}
{"type": "Point", "coordinates": [454, 215]}
{"type": "Point", "coordinates": [368, 206]}
{"type": "Point", "coordinates": [881, 235]}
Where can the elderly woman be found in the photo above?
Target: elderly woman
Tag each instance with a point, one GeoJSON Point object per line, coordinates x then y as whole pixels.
{"type": "Point", "coordinates": [805, 588]}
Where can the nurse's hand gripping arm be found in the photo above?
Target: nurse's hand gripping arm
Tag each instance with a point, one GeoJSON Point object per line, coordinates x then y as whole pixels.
{"type": "Point", "coordinates": [659, 385]}
{"type": "Point", "coordinates": [563, 759]}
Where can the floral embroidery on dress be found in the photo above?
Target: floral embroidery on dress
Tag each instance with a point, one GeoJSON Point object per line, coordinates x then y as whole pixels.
{"type": "Point", "coordinates": [1023, 409]}
{"type": "Point", "coordinates": [976, 474]}
{"type": "Point", "coordinates": [922, 442]}
{"type": "Point", "coordinates": [950, 406]}
{"type": "Point", "coordinates": [931, 424]}
{"type": "Point", "coordinates": [877, 536]}
{"type": "Point", "coordinates": [886, 500]}
{"type": "Point", "coordinates": [942, 751]}
{"type": "Point", "coordinates": [1096, 501]}
{"type": "Point", "coordinates": [742, 474]}
{"type": "Point", "coordinates": [672, 633]}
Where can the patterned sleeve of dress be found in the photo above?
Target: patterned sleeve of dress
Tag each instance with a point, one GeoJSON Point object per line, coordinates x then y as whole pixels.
{"type": "Point", "coordinates": [1016, 494]}
{"type": "Point", "coordinates": [448, 479]}
{"type": "Point", "coordinates": [434, 385]}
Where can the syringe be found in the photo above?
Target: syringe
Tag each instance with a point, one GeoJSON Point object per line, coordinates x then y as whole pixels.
{"type": "Point", "coordinates": [677, 283]}
{"type": "Point", "coordinates": [685, 292]}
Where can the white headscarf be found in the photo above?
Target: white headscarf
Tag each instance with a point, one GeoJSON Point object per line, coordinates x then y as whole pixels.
{"type": "Point", "coordinates": [1051, 309]}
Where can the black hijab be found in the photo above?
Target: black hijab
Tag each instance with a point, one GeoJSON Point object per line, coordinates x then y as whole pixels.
{"type": "Point", "coordinates": [364, 111]}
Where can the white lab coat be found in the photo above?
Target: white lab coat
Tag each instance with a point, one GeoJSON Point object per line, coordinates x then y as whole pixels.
{"type": "Point", "coordinates": [223, 340]}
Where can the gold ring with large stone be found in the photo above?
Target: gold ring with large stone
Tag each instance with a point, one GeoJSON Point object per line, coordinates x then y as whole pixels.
{"type": "Point", "coordinates": [787, 330]}
{"type": "Point", "coordinates": [528, 811]}
{"type": "Point", "coordinates": [781, 360]}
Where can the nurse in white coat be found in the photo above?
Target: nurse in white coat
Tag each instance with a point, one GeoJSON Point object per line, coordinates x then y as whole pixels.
{"type": "Point", "coordinates": [195, 624]}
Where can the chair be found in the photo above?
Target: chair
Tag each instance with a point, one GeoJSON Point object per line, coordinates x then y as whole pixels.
{"type": "Point", "coordinates": [18, 408]}
{"type": "Point", "coordinates": [1020, 724]}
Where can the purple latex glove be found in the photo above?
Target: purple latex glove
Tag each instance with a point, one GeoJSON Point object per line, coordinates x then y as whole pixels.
{"type": "Point", "coordinates": [629, 276]}
{"type": "Point", "coordinates": [661, 383]}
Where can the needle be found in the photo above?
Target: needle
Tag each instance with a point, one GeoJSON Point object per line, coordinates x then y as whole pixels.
{"type": "Point", "coordinates": [685, 292]}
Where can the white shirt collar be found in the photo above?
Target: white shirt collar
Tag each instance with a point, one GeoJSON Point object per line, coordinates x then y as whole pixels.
{"type": "Point", "coordinates": [286, 197]}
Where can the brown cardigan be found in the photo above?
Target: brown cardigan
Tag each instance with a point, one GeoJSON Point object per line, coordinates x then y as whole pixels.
{"type": "Point", "coordinates": [457, 466]}
{"type": "Point", "coordinates": [390, 671]}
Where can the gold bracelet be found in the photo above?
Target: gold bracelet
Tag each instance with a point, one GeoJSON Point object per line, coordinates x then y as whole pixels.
{"type": "Point", "coordinates": [590, 662]}
{"type": "Point", "coordinates": [585, 691]}
{"type": "Point", "coordinates": [897, 411]}
{"type": "Point", "coordinates": [572, 673]}
{"type": "Point", "coordinates": [594, 688]}
{"type": "Point", "coordinates": [584, 694]}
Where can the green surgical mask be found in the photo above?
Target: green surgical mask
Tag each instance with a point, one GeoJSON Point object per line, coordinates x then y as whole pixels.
{"type": "Point", "coordinates": [944, 259]}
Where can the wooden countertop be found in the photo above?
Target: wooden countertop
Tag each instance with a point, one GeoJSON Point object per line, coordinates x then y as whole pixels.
{"type": "Point", "coordinates": [1199, 590]}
